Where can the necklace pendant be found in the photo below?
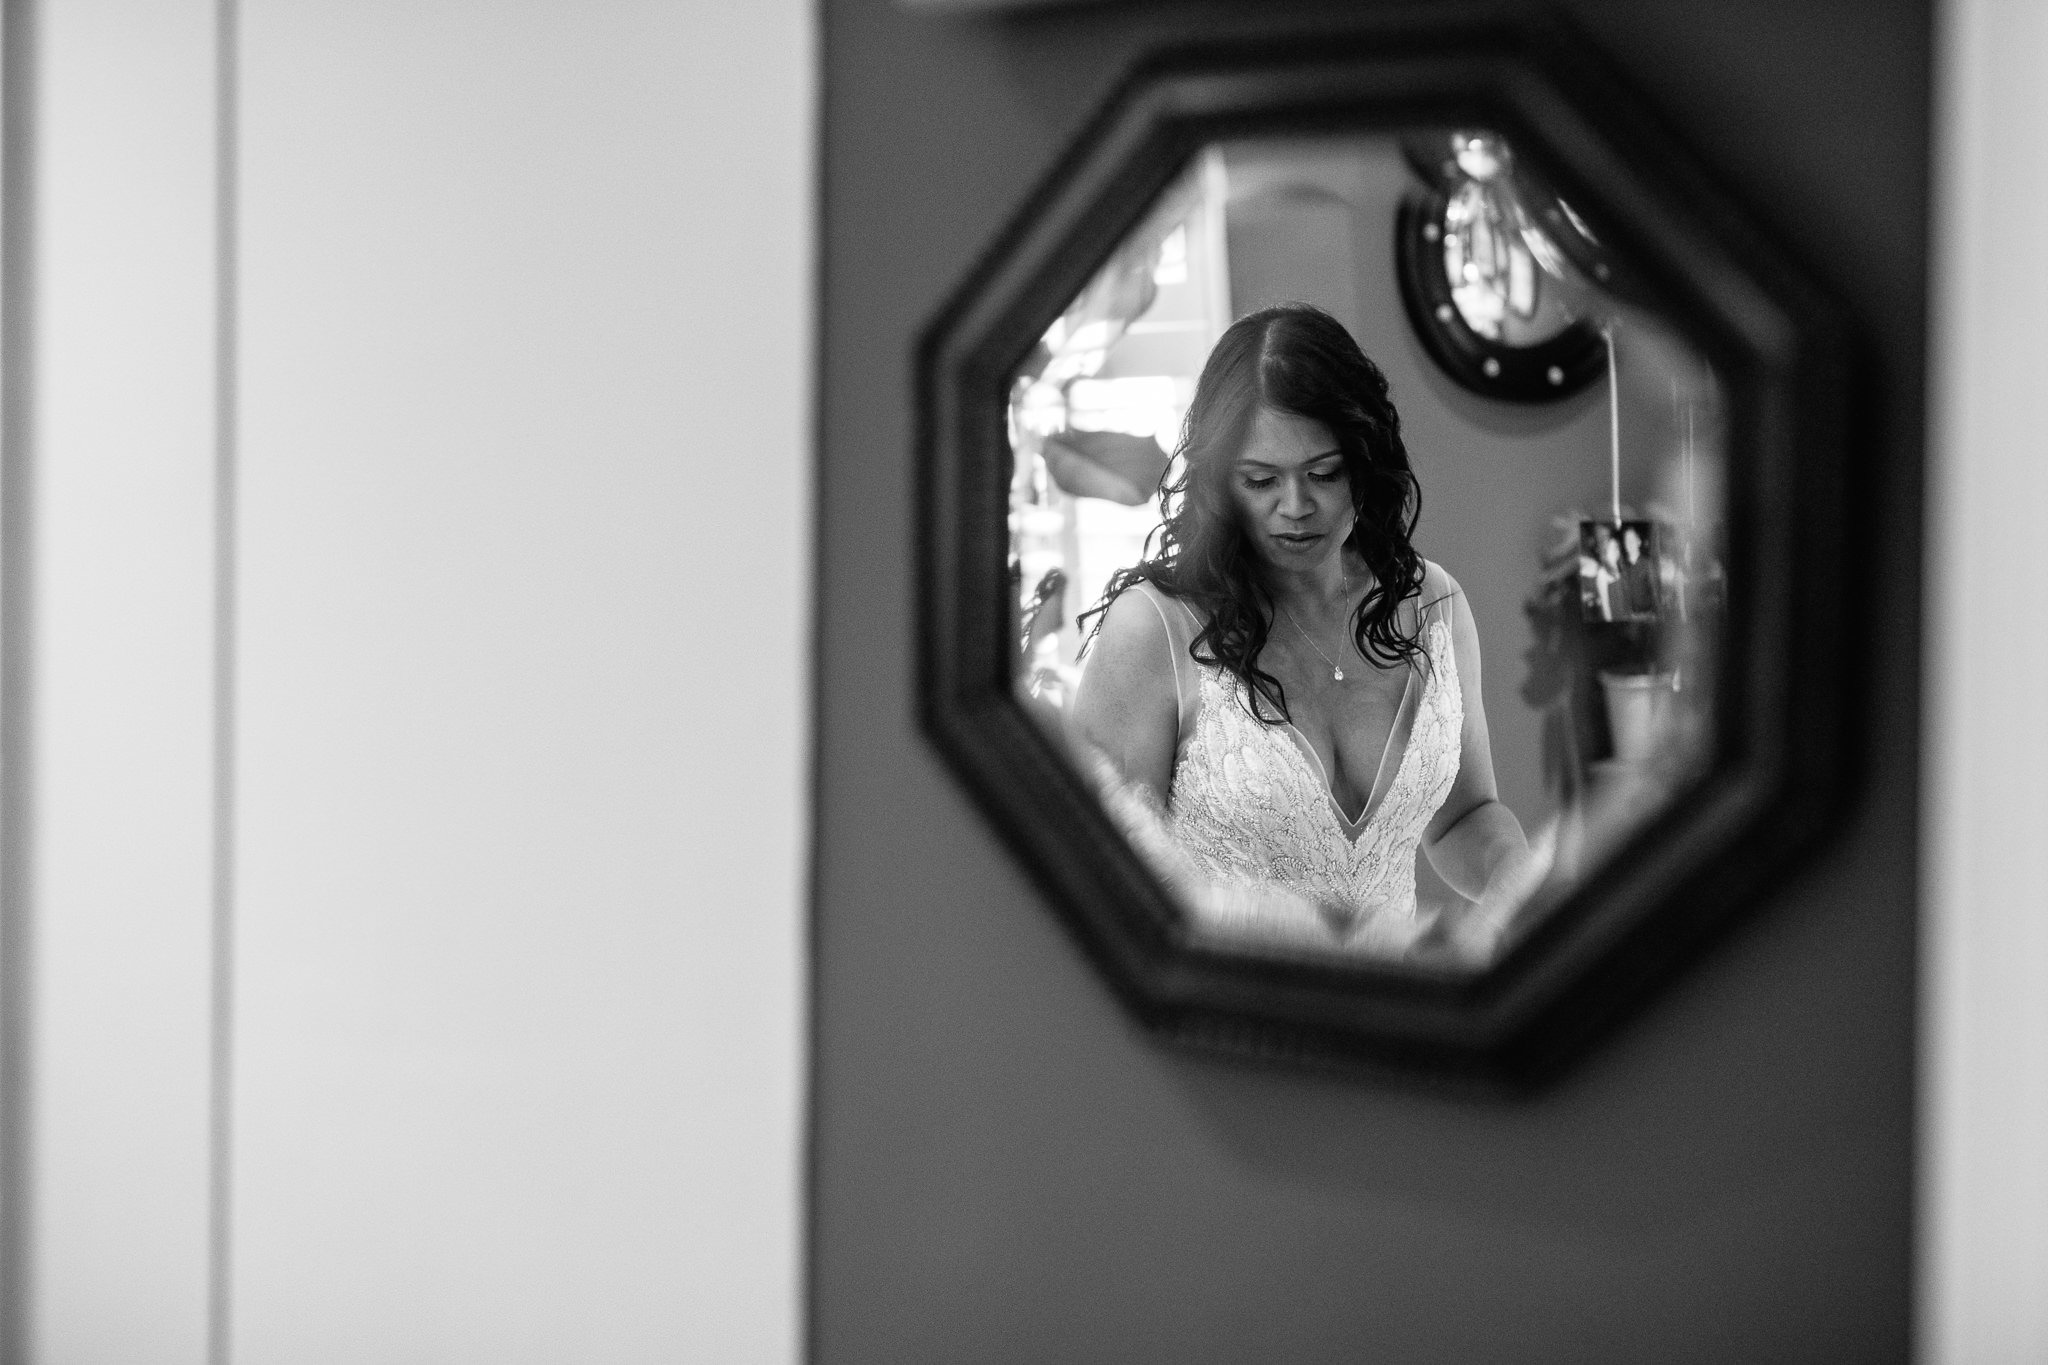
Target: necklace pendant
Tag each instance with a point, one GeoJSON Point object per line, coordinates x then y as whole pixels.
{"type": "Point", "coordinates": [1337, 673]}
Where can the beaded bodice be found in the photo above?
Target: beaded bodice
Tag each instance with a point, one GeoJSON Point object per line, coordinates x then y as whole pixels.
{"type": "Point", "coordinates": [1262, 850]}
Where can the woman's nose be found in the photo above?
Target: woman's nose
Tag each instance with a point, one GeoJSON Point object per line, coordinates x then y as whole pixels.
{"type": "Point", "coordinates": [1295, 502]}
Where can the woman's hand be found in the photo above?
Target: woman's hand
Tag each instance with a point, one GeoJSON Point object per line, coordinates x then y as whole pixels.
{"type": "Point", "coordinates": [1475, 934]}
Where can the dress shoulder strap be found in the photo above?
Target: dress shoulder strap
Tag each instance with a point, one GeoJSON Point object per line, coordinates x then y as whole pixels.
{"type": "Point", "coordinates": [1181, 627]}
{"type": "Point", "coordinates": [1438, 600]}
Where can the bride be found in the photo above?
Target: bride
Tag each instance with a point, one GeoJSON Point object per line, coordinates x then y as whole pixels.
{"type": "Point", "coordinates": [1283, 700]}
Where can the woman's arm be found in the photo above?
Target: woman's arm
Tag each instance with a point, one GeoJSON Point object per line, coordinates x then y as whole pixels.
{"type": "Point", "coordinates": [1127, 708]}
{"type": "Point", "coordinates": [1475, 842]}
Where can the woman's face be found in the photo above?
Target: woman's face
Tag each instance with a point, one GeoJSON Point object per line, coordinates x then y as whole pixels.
{"type": "Point", "coordinates": [1291, 490]}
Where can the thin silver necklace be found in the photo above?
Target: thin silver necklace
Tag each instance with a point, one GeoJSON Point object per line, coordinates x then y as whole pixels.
{"type": "Point", "coordinates": [1336, 669]}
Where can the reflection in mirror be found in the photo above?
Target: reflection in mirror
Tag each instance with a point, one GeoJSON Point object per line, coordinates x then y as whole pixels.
{"type": "Point", "coordinates": [1490, 248]}
{"type": "Point", "coordinates": [1367, 665]}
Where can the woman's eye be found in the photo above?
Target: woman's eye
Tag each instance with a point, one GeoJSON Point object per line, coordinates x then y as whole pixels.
{"type": "Point", "coordinates": [1334, 476]}
{"type": "Point", "coordinates": [1259, 483]}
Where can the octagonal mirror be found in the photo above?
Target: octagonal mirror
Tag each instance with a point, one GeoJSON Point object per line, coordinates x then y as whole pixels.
{"type": "Point", "coordinates": [1357, 569]}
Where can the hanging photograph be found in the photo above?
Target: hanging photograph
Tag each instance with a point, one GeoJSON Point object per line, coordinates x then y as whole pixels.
{"type": "Point", "coordinates": [1622, 574]}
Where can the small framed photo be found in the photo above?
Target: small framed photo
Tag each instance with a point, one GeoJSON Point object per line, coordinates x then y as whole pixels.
{"type": "Point", "coordinates": [1621, 571]}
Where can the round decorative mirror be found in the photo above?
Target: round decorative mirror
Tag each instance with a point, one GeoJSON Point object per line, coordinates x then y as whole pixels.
{"type": "Point", "coordinates": [1501, 280]}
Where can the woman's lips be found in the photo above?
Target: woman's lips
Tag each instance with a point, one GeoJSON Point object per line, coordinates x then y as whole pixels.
{"type": "Point", "coordinates": [1298, 540]}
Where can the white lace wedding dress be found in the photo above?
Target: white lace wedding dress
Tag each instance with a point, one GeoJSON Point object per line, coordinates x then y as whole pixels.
{"type": "Point", "coordinates": [1251, 837]}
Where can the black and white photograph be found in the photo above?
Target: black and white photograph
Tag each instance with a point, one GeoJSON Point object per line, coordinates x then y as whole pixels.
{"type": "Point", "coordinates": [1023, 682]}
{"type": "Point", "coordinates": [1623, 575]}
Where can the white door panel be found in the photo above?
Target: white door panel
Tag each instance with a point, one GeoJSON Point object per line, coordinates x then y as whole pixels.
{"type": "Point", "coordinates": [515, 588]}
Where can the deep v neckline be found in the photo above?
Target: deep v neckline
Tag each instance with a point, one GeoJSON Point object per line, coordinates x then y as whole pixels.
{"type": "Point", "coordinates": [1382, 783]}
{"type": "Point", "coordinates": [1312, 762]}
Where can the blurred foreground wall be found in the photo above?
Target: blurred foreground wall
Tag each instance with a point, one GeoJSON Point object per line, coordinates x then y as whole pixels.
{"type": "Point", "coordinates": [407, 510]}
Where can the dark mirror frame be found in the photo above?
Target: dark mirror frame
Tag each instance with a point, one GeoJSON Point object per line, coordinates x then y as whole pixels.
{"type": "Point", "coordinates": [1779, 776]}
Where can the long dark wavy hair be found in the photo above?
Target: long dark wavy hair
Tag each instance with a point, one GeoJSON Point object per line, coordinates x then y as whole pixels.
{"type": "Point", "coordinates": [1296, 359]}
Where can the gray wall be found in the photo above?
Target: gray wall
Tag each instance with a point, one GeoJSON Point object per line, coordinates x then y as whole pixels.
{"type": "Point", "coordinates": [1006, 1168]}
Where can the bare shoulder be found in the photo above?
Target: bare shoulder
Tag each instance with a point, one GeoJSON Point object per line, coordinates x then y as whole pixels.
{"type": "Point", "coordinates": [1131, 655]}
{"type": "Point", "coordinates": [1134, 621]}
{"type": "Point", "coordinates": [1127, 705]}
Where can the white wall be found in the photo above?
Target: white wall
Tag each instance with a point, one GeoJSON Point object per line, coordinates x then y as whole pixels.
{"type": "Point", "coordinates": [120, 649]}
{"type": "Point", "coordinates": [1984, 1134]}
{"type": "Point", "coordinates": [512, 743]}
